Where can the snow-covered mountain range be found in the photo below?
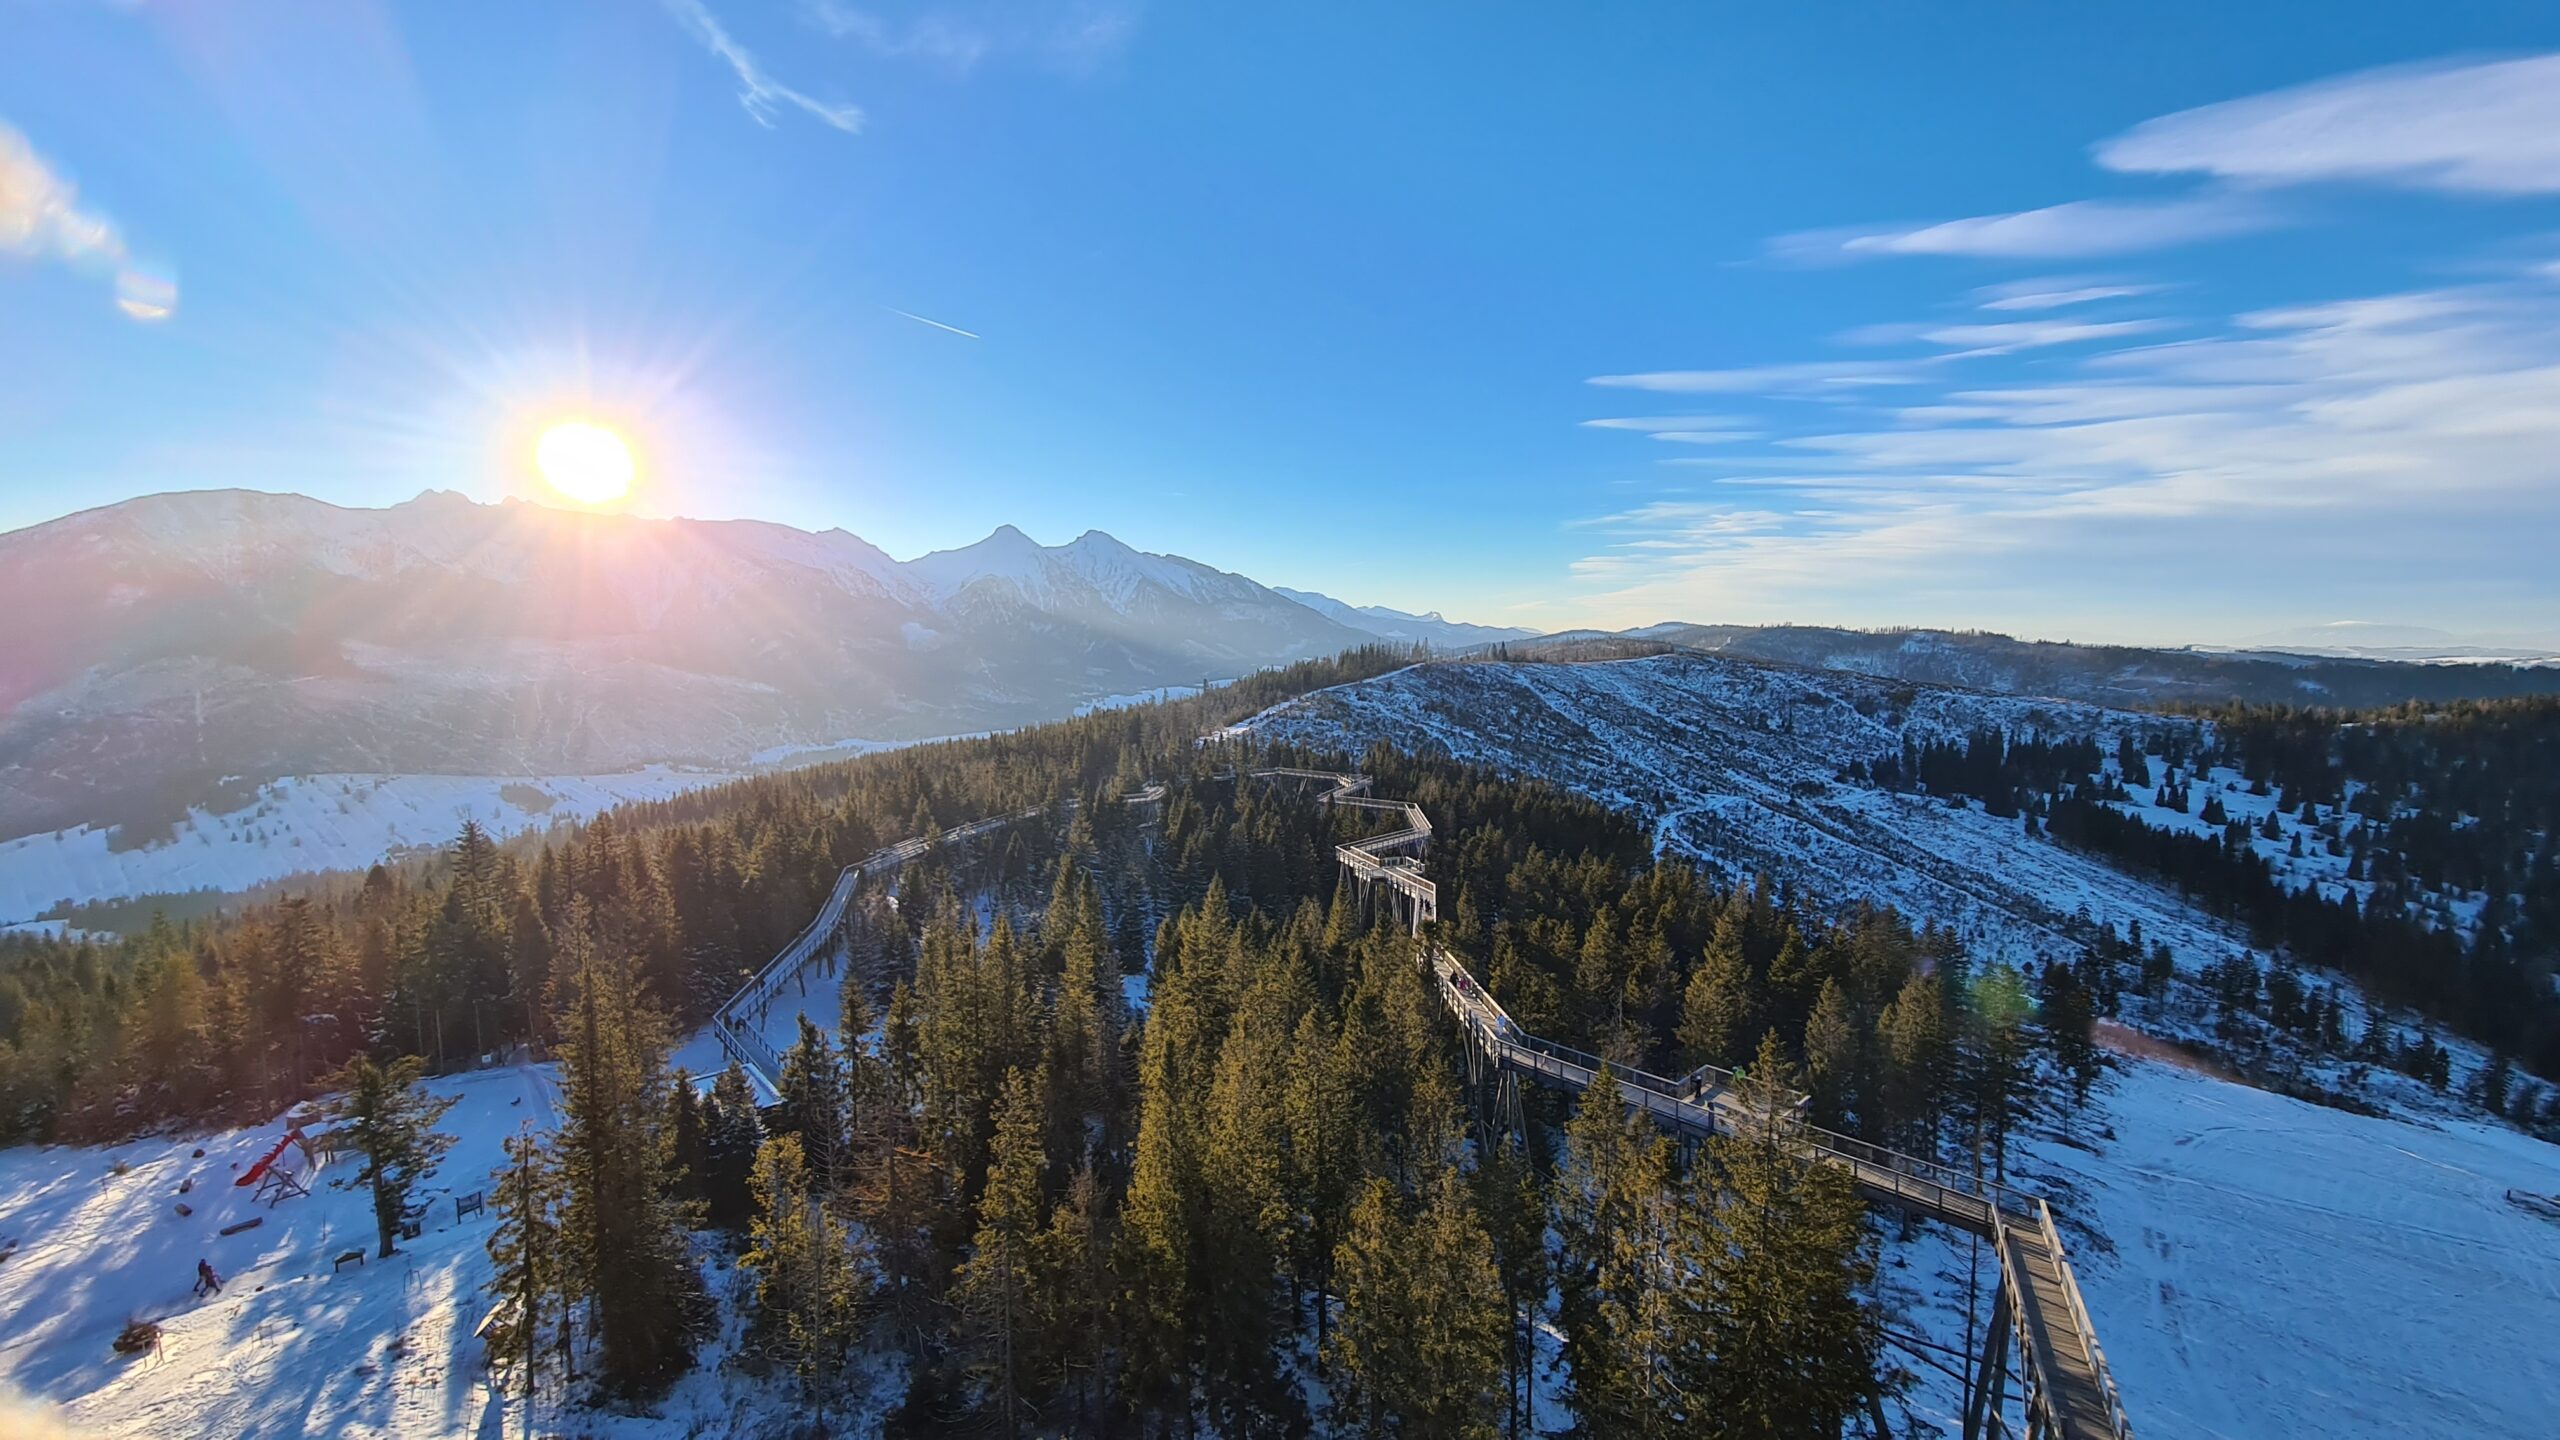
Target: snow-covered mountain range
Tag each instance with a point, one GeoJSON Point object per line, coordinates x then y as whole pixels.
{"type": "Point", "coordinates": [2124, 674]}
{"type": "Point", "coordinates": [188, 646]}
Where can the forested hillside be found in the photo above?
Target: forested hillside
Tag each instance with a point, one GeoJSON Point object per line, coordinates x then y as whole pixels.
{"type": "Point", "coordinates": [2323, 898]}
{"type": "Point", "coordinates": [1247, 1201]}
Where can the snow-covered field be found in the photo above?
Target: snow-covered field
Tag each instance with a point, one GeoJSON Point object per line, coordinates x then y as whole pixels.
{"type": "Point", "coordinates": [311, 822]}
{"type": "Point", "coordinates": [288, 1347]}
{"type": "Point", "coordinates": [292, 1345]}
{"type": "Point", "coordinates": [2281, 1269]}
{"type": "Point", "coordinates": [308, 823]}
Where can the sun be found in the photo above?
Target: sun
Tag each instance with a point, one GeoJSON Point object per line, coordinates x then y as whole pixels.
{"type": "Point", "coordinates": [585, 462]}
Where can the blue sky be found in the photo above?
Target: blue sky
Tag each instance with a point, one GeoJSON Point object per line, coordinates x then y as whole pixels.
{"type": "Point", "coordinates": [2157, 322]}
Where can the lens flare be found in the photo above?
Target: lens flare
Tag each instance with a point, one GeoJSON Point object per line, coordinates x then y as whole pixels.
{"type": "Point", "coordinates": [585, 462]}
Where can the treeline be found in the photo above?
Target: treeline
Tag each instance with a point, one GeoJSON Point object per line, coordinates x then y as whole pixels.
{"type": "Point", "coordinates": [2420, 806]}
{"type": "Point", "coordinates": [241, 1015]}
{"type": "Point", "coordinates": [2463, 795]}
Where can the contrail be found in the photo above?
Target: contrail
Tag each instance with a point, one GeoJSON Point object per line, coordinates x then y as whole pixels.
{"type": "Point", "coordinates": [936, 324]}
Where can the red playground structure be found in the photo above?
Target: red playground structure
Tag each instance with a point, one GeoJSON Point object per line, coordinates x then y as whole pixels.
{"type": "Point", "coordinates": [275, 1176]}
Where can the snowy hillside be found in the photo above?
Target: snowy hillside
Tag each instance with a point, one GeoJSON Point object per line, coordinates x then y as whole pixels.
{"type": "Point", "coordinates": [289, 1346]}
{"type": "Point", "coordinates": [310, 822]}
{"type": "Point", "coordinates": [2282, 1269]}
{"type": "Point", "coordinates": [90, 1238]}
{"type": "Point", "coordinates": [1738, 765]}
{"type": "Point", "coordinates": [2258, 1267]}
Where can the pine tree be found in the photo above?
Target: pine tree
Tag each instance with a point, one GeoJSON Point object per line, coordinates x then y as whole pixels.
{"type": "Point", "coordinates": [389, 1121]}
{"type": "Point", "coordinates": [1717, 1015]}
{"type": "Point", "coordinates": [529, 1280]}
{"type": "Point", "coordinates": [684, 1133]}
{"type": "Point", "coordinates": [1371, 1351]}
{"type": "Point", "coordinates": [1073, 1301]}
{"type": "Point", "coordinates": [1999, 1078]}
{"type": "Point", "coordinates": [996, 1284]}
{"type": "Point", "coordinates": [1515, 1217]}
{"type": "Point", "coordinates": [2066, 1021]}
{"type": "Point", "coordinates": [1914, 1031]}
{"type": "Point", "coordinates": [1831, 1057]}
{"type": "Point", "coordinates": [1770, 1253]}
{"type": "Point", "coordinates": [808, 1304]}
{"type": "Point", "coordinates": [1158, 1220]}
{"type": "Point", "coordinates": [1321, 1111]}
{"type": "Point", "coordinates": [623, 1226]}
{"type": "Point", "coordinates": [1612, 1200]}
{"type": "Point", "coordinates": [732, 1132]}
{"type": "Point", "coordinates": [812, 1087]}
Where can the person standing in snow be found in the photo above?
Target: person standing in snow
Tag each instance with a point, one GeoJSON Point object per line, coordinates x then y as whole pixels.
{"type": "Point", "coordinates": [208, 1284]}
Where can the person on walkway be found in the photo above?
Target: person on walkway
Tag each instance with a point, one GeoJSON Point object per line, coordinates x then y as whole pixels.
{"type": "Point", "coordinates": [208, 1284]}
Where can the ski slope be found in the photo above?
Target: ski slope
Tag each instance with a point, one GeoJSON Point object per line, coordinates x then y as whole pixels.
{"type": "Point", "coordinates": [291, 1346]}
{"type": "Point", "coordinates": [288, 1347]}
{"type": "Point", "coordinates": [2281, 1269]}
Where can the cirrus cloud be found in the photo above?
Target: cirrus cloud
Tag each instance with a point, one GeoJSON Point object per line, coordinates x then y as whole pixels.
{"type": "Point", "coordinates": [41, 217]}
{"type": "Point", "coordinates": [2490, 127]}
{"type": "Point", "coordinates": [2074, 228]}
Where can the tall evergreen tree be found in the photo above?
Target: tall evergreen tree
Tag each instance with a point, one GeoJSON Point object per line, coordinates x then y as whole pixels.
{"type": "Point", "coordinates": [1717, 1016]}
{"type": "Point", "coordinates": [529, 1281]}
{"type": "Point", "coordinates": [389, 1120]}
{"type": "Point", "coordinates": [1771, 1252]}
{"type": "Point", "coordinates": [808, 1300]}
{"type": "Point", "coordinates": [998, 1282]}
{"type": "Point", "coordinates": [623, 1227]}
{"type": "Point", "coordinates": [813, 1106]}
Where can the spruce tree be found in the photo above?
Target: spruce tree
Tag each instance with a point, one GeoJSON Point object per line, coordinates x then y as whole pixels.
{"type": "Point", "coordinates": [1717, 1016]}
{"type": "Point", "coordinates": [732, 1131]}
{"type": "Point", "coordinates": [530, 1281]}
{"type": "Point", "coordinates": [389, 1121]}
{"type": "Point", "coordinates": [1515, 1217]}
{"type": "Point", "coordinates": [1073, 1300]}
{"type": "Point", "coordinates": [812, 1087]}
{"type": "Point", "coordinates": [998, 1281]}
{"type": "Point", "coordinates": [1612, 1203]}
{"type": "Point", "coordinates": [808, 1304]}
{"type": "Point", "coordinates": [1769, 1254]}
{"type": "Point", "coordinates": [1831, 1057]}
{"type": "Point", "coordinates": [1421, 1341]}
{"type": "Point", "coordinates": [623, 1227]}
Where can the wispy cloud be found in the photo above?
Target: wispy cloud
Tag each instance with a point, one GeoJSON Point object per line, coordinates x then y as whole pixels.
{"type": "Point", "coordinates": [2053, 292]}
{"type": "Point", "coordinates": [41, 218]}
{"type": "Point", "coordinates": [2003, 337]}
{"type": "Point", "coordinates": [2489, 127]}
{"type": "Point", "coordinates": [2075, 228]}
{"type": "Point", "coordinates": [1812, 377]}
{"type": "Point", "coordinates": [763, 97]}
{"type": "Point", "coordinates": [956, 36]}
{"type": "Point", "coordinates": [936, 324]}
{"type": "Point", "coordinates": [2392, 449]}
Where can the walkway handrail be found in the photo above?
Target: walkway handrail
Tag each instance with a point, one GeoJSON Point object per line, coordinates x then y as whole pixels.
{"type": "Point", "coordinates": [2118, 1424]}
{"type": "Point", "coordinates": [1702, 1101]}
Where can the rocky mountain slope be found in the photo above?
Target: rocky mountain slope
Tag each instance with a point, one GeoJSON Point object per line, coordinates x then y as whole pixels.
{"type": "Point", "coordinates": [191, 642]}
{"type": "Point", "coordinates": [1429, 628]}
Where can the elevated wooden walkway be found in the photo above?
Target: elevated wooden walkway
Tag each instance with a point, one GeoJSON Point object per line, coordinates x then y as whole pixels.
{"type": "Point", "coordinates": [2069, 1393]}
